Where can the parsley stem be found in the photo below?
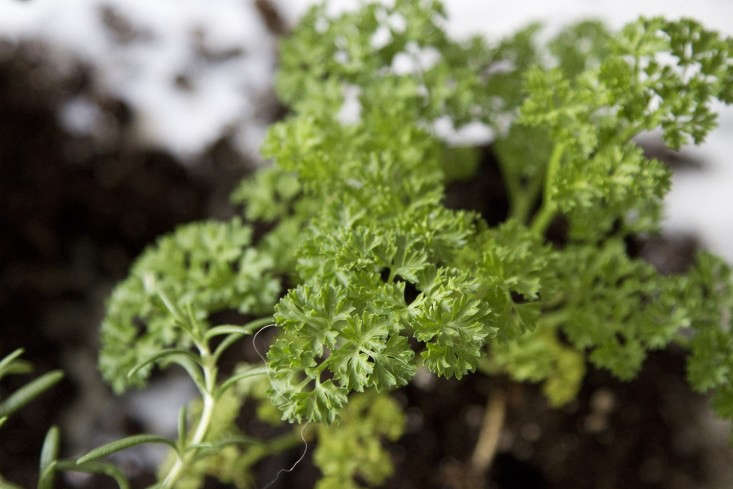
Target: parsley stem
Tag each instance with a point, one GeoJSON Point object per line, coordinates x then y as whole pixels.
{"type": "Point", "coordinates": [256, 324]}
{"type": "Point", "coordinates": [543, 218]}
{"type": "Point", "coordinates": [522, 199]}
{"type": "Point", "coordinates": [548, 209]}
{"type": "Point", "coordinates": [204, 422]}
{"type": "Point", "coordinates": [488, 439]}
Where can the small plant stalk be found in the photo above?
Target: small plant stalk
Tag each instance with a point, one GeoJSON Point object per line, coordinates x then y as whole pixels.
{"type": "Point", "coordinates": [488, 439]}
{"type": "Point", "coordinates": [548, 209]}
{"type": "Point", "coordinates": [202, 428]}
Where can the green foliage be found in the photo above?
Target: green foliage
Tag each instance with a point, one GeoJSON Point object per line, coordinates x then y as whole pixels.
{"type": "Point", "coordinates": [591, 115]}
{"type": "Point", "coordinates": [386, 220]}
{"type": "Point", "coordinates": [201, 269]}
{"type": "Point", "coordinates": [269, 194]}
{"type": "Point", "coordinates": [379, 185]}
{"type": "Point", "coordinates": [617, 307]}
{"type": "Point", "coordinates": [274, 196]}
{"type": "Point", "coordinates": [382, 277]}
{"type": "Point", "coordinates": [49, 464]}
{"type": "Point", "coordinates": [122, 444]}
{"type": "Point", "coordinates": [581, 46]}
{"type": "Point", "coordinates": [381, 229]}
{"type": "Point", "coordinates": [512, 265]}
{"type": "Point", "coordinates": [541, 357]}
{"type": "Point", "coordinates": [324, 57]}
{"type": "Point", "coordinates": [11, 364]}
{"type": "Point", "coordinates": [219, 462]}
{"type": "Point", "coordinates": [710, 365]}
{"type": "Point", "coordinates": [353, 447]}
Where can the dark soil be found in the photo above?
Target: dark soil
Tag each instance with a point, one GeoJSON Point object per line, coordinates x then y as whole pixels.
{"type": "Point", "coordinates": [76, 212]}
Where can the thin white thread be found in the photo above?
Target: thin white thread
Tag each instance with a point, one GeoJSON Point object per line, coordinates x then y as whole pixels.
{"type": "Point", "coordinates": [254, 343]}
{"type": "Point", "coordinates": [297, 462]}
{"type": "Point", "coordinates": [302, 431]}
{"type": "Point", "coordinates": [262, 357]}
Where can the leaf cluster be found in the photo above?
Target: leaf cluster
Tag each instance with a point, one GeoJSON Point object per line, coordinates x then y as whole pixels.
{"type": "Point", "coordinates": [12, 364]}
{"type": "Point", "coordinates": [352, 450]}
{"type": "Point", "coordinates": [383, 266]}
{"type": "Point", "coordinates": [384, 278]}
{"type": "Point", "coordinates": [184, 278]}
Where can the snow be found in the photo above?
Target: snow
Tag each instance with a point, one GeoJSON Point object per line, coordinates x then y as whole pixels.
{"type": "Point", "coordinates": [168, 37]}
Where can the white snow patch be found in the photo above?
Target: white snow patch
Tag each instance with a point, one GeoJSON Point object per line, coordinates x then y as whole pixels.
{"type": "Point", "coordinates": [223, 51]}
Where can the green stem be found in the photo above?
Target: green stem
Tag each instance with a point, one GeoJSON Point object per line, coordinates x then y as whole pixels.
{"type": "Point", "coordinates": [250, 327]}
{"type": "Point", "coordinates": [523, 199]}
{"type": "Point", "coordinates": [7, 485]}
{"type": "Point", "coordinates": [258, 323]}
{"type": "Point", "coordinates": [201, 430]}
{"type": "Point", "coordinates": [543, 218]}
{"type": "Point", "coordinates": [520, 198]}
{"type": "Point", "coordinates": [548, 209]}
{"type": "Point", "coordinates": [513, 188]}
{"type": "Point", "coordinates": [204, 422]}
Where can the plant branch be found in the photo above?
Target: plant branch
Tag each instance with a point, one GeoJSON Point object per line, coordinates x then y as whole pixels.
{"type": "Point", "coordinates": [488, 439]}
{"type": "Point", "coordinates": [548, 209]}
{"type": "Point", "coordinates": [204, 422]}
{"type": "Point", "coordinates": [522, 201]}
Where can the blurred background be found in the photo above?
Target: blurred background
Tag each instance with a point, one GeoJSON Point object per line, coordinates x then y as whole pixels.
{"type": "Point", "coordinates": [120, 119]}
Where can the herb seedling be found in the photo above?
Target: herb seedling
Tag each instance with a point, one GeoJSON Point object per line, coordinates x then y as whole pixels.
{"type": "Point", "coordinates": [384, 278]}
